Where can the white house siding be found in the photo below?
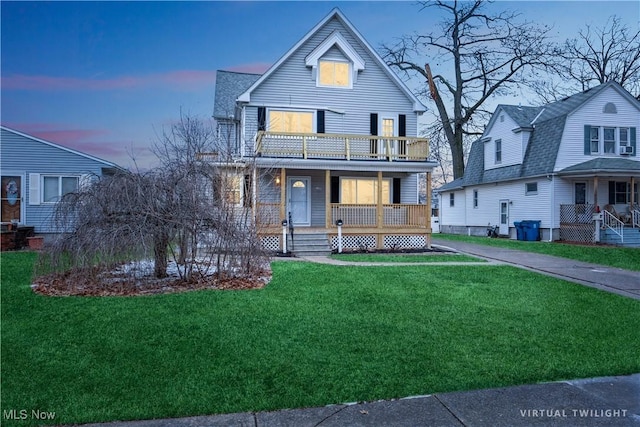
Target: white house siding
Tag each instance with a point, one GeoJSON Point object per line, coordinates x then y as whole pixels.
{"type": "Point", "coordinates": [464, 217]}
{"type": "Point", "coordinates": [29, 157]}
{"type": "Point", "coordinates": [571, 150]}
{"type": "Point", "coordinates": [293, 84]}
{"type": "Point", "coordinates": [511, 143]}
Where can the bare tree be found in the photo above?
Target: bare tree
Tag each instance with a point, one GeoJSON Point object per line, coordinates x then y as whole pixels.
{"type": "Point", "coordinates": [477, 55]}
{"type": "Point", "coordinates": [603, 54]}
{"type": "Point", "coordinates": [184, 211]}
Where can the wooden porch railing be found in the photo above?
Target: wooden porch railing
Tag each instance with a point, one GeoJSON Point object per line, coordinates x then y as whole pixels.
{"type": "Point", "coordinates": [341, 146]}
{"type": "Point", "coordinates": [394, 215]}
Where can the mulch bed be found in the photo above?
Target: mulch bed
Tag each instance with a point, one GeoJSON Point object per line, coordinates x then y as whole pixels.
{"type": "Point", "coordinates": [94, 283]}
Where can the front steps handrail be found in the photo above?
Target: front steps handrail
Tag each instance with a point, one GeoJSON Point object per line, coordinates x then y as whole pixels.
{"type": "Point", "coordinates": [635, 218]}
{"type": "Point", "coordinates": [614, 224]}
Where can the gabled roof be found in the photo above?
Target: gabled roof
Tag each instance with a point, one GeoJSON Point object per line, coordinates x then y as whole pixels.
{"type": "Point", "coordinates": [602, 165]}
{"type": "Point", "coordinates": [60, 147]}
{"type": "Point", "coordinates": [337, 14]}
{"type": "Point", "coordinates": [544, 143]}
{"type": "Point", "coordinates": [228, 85]}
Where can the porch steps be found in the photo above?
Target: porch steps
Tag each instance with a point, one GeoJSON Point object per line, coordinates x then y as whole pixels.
{"type": "Point", "coordinates": [631, 237]}
{"type": "Point", "coordinates": [310, 245]}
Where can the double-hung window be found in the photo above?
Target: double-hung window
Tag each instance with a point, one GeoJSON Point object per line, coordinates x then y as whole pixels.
{"type": "Point", "coordinates": [291, 121]}
{"type": "Point", "coordinates": [609, 136]}
{"type": "Point", "coordinates": [498, 157]}
{"type": "Point", "coordinates": [54, 187]}
{"type": "Point", "coordinates": [334, 73]}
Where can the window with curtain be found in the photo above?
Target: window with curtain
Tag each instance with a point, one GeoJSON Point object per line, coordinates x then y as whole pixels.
{"type": "Point", "coordinates": [364, 191]}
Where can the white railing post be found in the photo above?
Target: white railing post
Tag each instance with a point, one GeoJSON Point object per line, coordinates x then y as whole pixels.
{"type": "Point", "coordinates": [284, 236]}
{"type": "Point", "coordinates": [613, 223]}
{"type": "Point", "coordinates": [635, 218]}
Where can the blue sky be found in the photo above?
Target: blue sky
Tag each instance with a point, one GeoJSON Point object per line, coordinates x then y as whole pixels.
{"type": "Point", "coordinates": [106, 77]}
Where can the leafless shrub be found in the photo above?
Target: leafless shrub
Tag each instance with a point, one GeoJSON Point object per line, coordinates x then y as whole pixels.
{"type": "Point", "coordinates": [183, 214]}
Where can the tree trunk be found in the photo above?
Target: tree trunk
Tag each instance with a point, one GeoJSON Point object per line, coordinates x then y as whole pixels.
{"type": "Point", "coordinates": [161, 242]}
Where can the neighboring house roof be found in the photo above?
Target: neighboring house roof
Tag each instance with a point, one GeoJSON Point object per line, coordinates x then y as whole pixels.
{"type": "Point", "coordinates": [602, 165]}
{"type": "Point", "coordinates": [544, 144]}
{"type": "Point", "coordinates": [60, 147]}
{"type": "Point", "coordinates": [229, 85]}
{"type": "Point", "coordinates": [336, 13]}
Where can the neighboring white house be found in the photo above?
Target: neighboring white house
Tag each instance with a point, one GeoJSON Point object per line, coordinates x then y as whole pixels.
{"type": "Point", "coordinates": [558, 164]}
{"type": "Point", "coordinates": [332, 131]}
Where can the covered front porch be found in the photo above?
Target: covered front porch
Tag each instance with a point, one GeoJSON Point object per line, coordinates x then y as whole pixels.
{"type": "Point", "coordinates": [375, 210]}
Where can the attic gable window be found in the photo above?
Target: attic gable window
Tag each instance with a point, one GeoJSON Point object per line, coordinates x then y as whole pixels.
{"type": "Point", "coordinates": [330, 72]}
{"type": "Point", "coordinates": [334, 73]}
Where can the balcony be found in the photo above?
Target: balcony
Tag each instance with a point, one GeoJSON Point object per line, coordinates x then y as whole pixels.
{"type": "Point", "coordinates": [341, 147]}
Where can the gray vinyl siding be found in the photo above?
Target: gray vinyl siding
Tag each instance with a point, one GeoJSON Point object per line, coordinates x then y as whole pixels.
{"type": "Point", "coordinates": [409, 189]}
{"type": "Point", "coordinates": [29, 156]}
{"type": "Point", "coordinates": [293, 83]}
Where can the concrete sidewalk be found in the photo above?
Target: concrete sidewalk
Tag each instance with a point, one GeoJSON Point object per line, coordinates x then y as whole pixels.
{"type": "Point", "coordinates": [610, 279]}
{"type": "Point", "coordinates": [607, 401]}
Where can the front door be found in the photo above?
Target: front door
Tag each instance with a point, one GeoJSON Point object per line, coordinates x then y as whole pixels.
{"type": "Point", "coordinates": [11, 198]}
{"type": "Point", "coordinates": [504, 218]}
{"type": "Point", "coordinates": [299, 200]}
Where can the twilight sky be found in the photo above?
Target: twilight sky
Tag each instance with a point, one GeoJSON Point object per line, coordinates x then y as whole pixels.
{"type": "Point", "coordinates": [106, 77]}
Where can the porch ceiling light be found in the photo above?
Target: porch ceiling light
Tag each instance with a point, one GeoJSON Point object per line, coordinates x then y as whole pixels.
{"type": "Point", "coordinates": [278, 180]}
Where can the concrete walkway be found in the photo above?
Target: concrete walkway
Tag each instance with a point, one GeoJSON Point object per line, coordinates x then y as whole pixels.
{"type": "Point", "coordinates": [610, 279]}
{"type": "Point", "coordinates": [605, 401]}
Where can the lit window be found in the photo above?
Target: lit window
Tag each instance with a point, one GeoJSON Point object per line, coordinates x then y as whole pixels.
{"type": "Point", "coordinates": [333, 73]}
{"type": "Point", "coordinates": [364, 191]}
{"type": "Point", "coordinates": [291, 121]}
{"type": "Point", "coordinates": [54, 187]}
{"type": "Point", "coordinates": [531, 188]}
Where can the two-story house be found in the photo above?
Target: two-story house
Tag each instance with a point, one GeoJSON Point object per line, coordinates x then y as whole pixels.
{"type": "Point", "coordinates": [559, 164]}
{"type": "Point", "coordinates": [330, 132]}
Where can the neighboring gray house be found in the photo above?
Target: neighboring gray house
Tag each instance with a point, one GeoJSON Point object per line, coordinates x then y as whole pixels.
{"type": "Point", "coordinates": [36, 173]}
{"type": "Point", "coordinates": [559, 164]}
{"type": "Point", "coordinates": [332, 131]}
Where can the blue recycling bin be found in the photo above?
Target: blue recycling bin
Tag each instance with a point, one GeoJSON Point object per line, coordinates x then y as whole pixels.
{"type": "Point", "coordinates": [531, 230]}
{"type": "Point", "coordinates": [519, 230]}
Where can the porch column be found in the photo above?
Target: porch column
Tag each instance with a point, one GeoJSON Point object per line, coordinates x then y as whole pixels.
{"type": "Point", "coordinates": [283, 194]}
{"type": "Point", "coordinates": [327, 199]}
{"type": "Point", "coordinates": [428, 211]}
{"type": "Point", "coordinates": [595, 190]}
{"type": "Point", "coordinates": [254, 194]}
{"type": "Point", "coordinates": [379, 211]}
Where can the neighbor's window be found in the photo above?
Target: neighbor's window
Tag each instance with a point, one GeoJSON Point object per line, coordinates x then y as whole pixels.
{"type": "Point", "coordinates": [291, 121]}
{"type": "Point", "coordinates": [595, 139]}
{"type": "Point", "coordinates": [624, 137]}
{"type": "Point", "coordinates": [54, 187]}
{"type": "Point", "coordinates": [531, 188]}
{"type": "Point", "coordinates": [609, 140]}
{"type": "Point", "coordinates": [452, 199]}
{"type": "Point", "coordinates": [475, 198]}
{"type": "Point", "coordinates": [498, 151]}
{"type": "Point", "coordinates": [232, 186]}
{"type": "Point", "coordinates": [333, 73]}
{"type": "Point", "coordinates": [364, 191]}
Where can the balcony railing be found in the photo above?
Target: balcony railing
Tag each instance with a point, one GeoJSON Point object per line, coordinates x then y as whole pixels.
{"type": "Point", "coordinates": [341, 146]}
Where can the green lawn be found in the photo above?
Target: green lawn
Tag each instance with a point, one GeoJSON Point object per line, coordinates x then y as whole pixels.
{"type": "Point", "coordinates": [399, 257]}
{"type": "Point", "coordinates": [318, 334]}
{"type": "Point", "coordinates": [627, 258]}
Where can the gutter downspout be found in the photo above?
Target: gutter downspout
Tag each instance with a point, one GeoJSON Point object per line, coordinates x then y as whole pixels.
{"type": "Point", "coordinates": [553, 207]}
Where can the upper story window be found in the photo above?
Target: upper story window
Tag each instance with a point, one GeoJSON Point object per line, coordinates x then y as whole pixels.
{"type": "Point", "coordinates": [607, 140]}
{"type": "Point", "coordinates": [291, 121]}
{"type": "Point", "coordinates": [475, 199]}
{"type": "Point", "coordinates": [452, 199]}
{"type": "Point", "coordinates": [498, 156]}
{"type": "Point", "coordinates": [334, 73]}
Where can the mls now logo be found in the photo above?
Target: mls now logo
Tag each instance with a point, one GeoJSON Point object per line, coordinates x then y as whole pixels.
{"type": "Point", "coordinates": [23, 414]}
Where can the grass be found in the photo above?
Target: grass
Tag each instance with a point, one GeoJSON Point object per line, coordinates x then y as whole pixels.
{"type": "Point", "coordinates": [626, 258]}
{"type": "Point", "coordinates": [318, 334]}
{"type": "Point", "coordinates": [414, 258]}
